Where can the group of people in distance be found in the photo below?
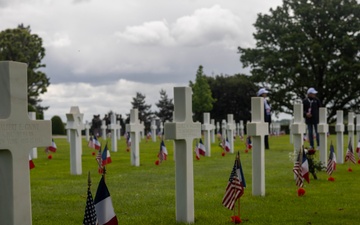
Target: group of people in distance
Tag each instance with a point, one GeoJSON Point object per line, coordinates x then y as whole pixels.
{"type": "Point", "coordinates": [311, 105]}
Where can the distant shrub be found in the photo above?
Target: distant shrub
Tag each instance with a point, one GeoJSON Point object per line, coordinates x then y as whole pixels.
{"type": "Point", "coordinates": [57, 126]}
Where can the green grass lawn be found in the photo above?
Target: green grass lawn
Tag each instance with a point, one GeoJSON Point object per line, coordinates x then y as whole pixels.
{"type": "Point", "coordinates": [146, 194]}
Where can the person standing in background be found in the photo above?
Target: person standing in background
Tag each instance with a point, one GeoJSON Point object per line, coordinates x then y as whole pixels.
{"type": "Point", "coordinates": [267, 113]}
{"type": "Point", "coordinates": [311, 105]}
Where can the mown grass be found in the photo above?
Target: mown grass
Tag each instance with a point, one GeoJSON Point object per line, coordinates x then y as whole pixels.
{"type": "Point", "coordinates": [146, 194]}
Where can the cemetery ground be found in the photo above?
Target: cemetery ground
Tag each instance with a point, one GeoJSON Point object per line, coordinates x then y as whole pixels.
{"type": "Point", "coordinates": [146, 194]}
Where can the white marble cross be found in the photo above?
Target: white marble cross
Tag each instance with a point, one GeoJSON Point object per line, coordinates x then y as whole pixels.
{"type": "Point", "coordinates": [118, 131]}
{"type": "Point", "coordinates": [153, 130]}
{"type": "Point", "coordinates": [241, 128]}
{"type": "Point", "coordinates": [183, 131]}
{"type": "Point", "coordinates": [323, 129]}
{"type": "Point", "coordinates": [207, 127]}
{"type": "Point", "coordinates": [230, 127]}
{"type": "Point", "coordinates": [75, 125]}
{"type": "Point", "coordinates": [134, 127]}
{"type": "Point", "coordinates": [103, 129]}
{"type": "Point", "coordinates": [18, 134]}
{"type": "Point", "coordinates": [33, 152]}
{"type": "Point", "coordinates": [113, 126]}
{"type": "Point", "coordinates": [257, 129]}
{"type": "Point", "coordinates": [298, 127]}
{"type": "Point", "coordinates": [223, 129]}
{"type": "Point", "coordinates": [357, 130]}
{"type": "Point", "coordinates": [212, 131]}
{"type": "Point", "coordinates": [339, 128]}
{"type": "Point", "coordinates": [351, 128]}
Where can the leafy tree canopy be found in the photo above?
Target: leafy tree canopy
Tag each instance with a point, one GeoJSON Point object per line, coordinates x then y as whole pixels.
{"type": "Point", "coordinates": [308, 43]}
{"type": "Point", "coordinates": [21, 45]}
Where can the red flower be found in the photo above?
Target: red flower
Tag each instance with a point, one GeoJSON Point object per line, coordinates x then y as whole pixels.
{"type": "Point", "coordinates": [350, 170]}
{"type": "Point", "coordinates": [311, 151]}
{"type": "Point", "coordinates": [359, 161]}
{"type": "Point", "coordinates": [93, 153]}
{"type": "Point", "coordinates": [331, 179]}
{"type": "Point", "coordinates": [127, 149]}
{"type": "Point", "coordinates": [223, 153]}
{"type": "Point", "coordinates": [301, 191]}
{"type": "Point", "coordinates": [49, 156]}
{"type": "Point", "coordinates": [157, 162]}
{"type": "Point", "coordinates": [235, 219]}
{"type": "Point", "coordinates": [197, 157]}
{"type": "Point", "coordinates": [246, 151]}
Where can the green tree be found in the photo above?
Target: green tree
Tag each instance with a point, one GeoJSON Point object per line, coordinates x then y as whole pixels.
{"type": "Point", "coordinates": [308, 43]}
{"type": "Point", "coordinates": [144, 109]}
{"type": "Point", "coordinates": [166, 107]}
{"type": "Point", "coordinates": [202, 100]}
{"type": "Point", "coordinates": [57, 125]}
{"type": "Point", "coordinates": [21, 45]}
{"type": "Point", "coordinates": [233, 95]}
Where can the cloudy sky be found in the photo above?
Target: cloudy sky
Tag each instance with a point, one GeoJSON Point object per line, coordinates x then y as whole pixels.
{"type": "Point", "coordinates": [99, 53]}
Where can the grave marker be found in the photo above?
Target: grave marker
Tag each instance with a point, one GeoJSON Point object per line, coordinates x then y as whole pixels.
{"type": "Point", "coordinates": [87, 130]}
{"type": "Point", "coordinates": [223, 129]}
{"type": "Point", "coordinates": [257, 129]}
{"type": "Point", "coordinates": [134, 127]}
{"type": "Point", "coordinates": [75, 125]}
{"type": "Point", "coordinates": [113, 126]}
{"type": "Point", "coordinates": [18, 134]}
{"type": "Point", "coordinates": [207, 127]}
{"type": "Point", "coordinates": [351, 128]}
{"type": "Point", "coordinates": [103, 129]}
{"type": "Point", "coordinates": [153, 130]}
{"type": "Point", "coordinates": [323, 129]}
{"type": "Point", "coordinates": [33, 152]}
{"type": "Point", "coordinates": [339, 128]}
{"type": "Point", "coordinates": [230, 127]}
{"type": "Point", "coordinates": [183, 130]}
{"type": "Point", "coordinates": [118, 131]}
{"type": "Point", "coordinates": [241, 128]}
{"type": "Point", "coordinates": [212, 131]}
{"type": "Point", "coordinates": [357, 129]}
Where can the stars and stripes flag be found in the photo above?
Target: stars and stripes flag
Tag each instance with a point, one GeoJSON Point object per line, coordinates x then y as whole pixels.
{"type": "Point", "coordinates": [51, 148]}
{"type": "Point", "coordinates": [99, 161]}
{"type": "Point", "coordinates": [305, 167]}
{"type": "Point", "coordinates": [301, 169]}
{"type": "Point", "coordinates": [94, 143]}
{"type": "Point", "coordinates": [350, 153]}
{"type": "Point", "coordinates": [163, 152]}
{"type": "Point", "coordinates": [90, 212]}
{"type": "Point", "coordinates": [236, 185]}
{"type": "Point", "coordinates": [331, 166]}
{"type": "Point", "coordinates": [105, 157]}
{"type": "Point", "coordinates": [103, 205]}
{"type": "Point", "coordinates": [31, 163]}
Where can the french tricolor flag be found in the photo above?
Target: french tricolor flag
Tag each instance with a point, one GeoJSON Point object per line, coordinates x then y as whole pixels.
{"type": "Point", "coordinates": [201, 148]}
{"type": "Point", "coordinates": [52, 147]}
{"type": "Point", "coordinates": [31, 163]}
{"type": "Point", "coordinates": [97, 145]}
{"type": "Point", "coordinates": [103, 205]}
{"type": "Point", "coordinates": [227, 145]}
{"type": "Point", "coordinates": [105, 156]}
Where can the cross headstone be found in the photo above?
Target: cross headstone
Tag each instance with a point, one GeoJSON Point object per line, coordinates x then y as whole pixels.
{"type": "Point", "coordinates": [183, 130]}
{"type": "Point", "coordinates": [212, 131]}
{"type": "Point", "coordinates": [103, 129]}
{"type": "Point", "coordinates": [67, 133]}
{"type": "Point", "coordinates": [223, 129]}
{"type": "Point", "coordinates": [18, 134]}
{"type": "Point", "coordinates": [237, 129]}
{"type": "Point", "coordinates": [291, 132]}
{"type": "Point", "coordinates": [298, 128]}
{"type": "Point", "coordinates": [339, 128]}
{"type": "Point", "coordinates": [218, 128]}
{"type": "Point", "coordinates": [87, 130]}
{"type": "Point", "coordinates": [75, 125]}
{"type": "Point", "coordinates": [153, 130]}
{"type": "Point", "coordinates": [230, 127]}
{"type": "Point", "coordinates": [113, 126]}
{"type": "Point", "coordinates": [323, 129]}
{"type": "Point", "coordinates": [257, 129]}
{"type": "Point", "coordinates": [33, 152]}
{"type": "Point", "coordinates": [134, 127]}
{"type": "Point", "coordinates": [351, 128]}
{"type": "Point", "coordinates": [241, 128]}
{"type": "Point", "coordinates": [207, 127]}
{"type": "Point", "coordinates": [142, 132]}
{"type": "Point", "coordinates": [161, 128]}
{"type": "Point", "coordinates": [118, 131]}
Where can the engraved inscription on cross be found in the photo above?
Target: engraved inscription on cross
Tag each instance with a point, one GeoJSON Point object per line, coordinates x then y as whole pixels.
{"type": "Point", "coordinates": [18, 135]}
{"type": "Point", "coordinates": [183, 131]}
{"type": "Point", "coordinates": [134, 127]}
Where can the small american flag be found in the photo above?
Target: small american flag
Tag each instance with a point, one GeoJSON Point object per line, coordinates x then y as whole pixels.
{"type": "Point", "coordinates": [350, 153]}
{"type": "Point", "coordinates": [235, 186]}
{"type": "Point", "coordinates": [99, 161]}
{"type": "Point", "coordinates": [299, 180]}
{"type": "Point", "coordinates": [332, 161]}
{"type": "Point", "coordinates": [90, 213]}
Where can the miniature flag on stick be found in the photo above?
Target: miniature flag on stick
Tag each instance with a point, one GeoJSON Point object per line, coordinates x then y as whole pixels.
{"type": "Point", "coordinates": [99, 161]}
{"type": "Point", "coordinates": [103, 205]}
{"type": "Point", "coordinates": [331, 166]}
{"type": "Point", "coordinates": [350, 155]}
{"type": "Point", "coordinates": [105, 157]}
{"type": "Point", "coordinates": [297, 169]}
{"type": "Point", "coordinates": [94, 143]}
{"type": "Point", "coordinates": [90, 213]}
{"type": "Point", "coordinates": [248, 144]}
{"type": "Point", "coordinates": [358, 150]}
{"type": "Point", "coordinates": [162, 154]}
{"type": "Point", "coordinates": [52, 147]}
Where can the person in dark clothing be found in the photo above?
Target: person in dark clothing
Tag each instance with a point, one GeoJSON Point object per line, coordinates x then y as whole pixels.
{"type": "Point", "coordinates": [267, 113]}
{"type": "Point", "coordinates": [311, 105]}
